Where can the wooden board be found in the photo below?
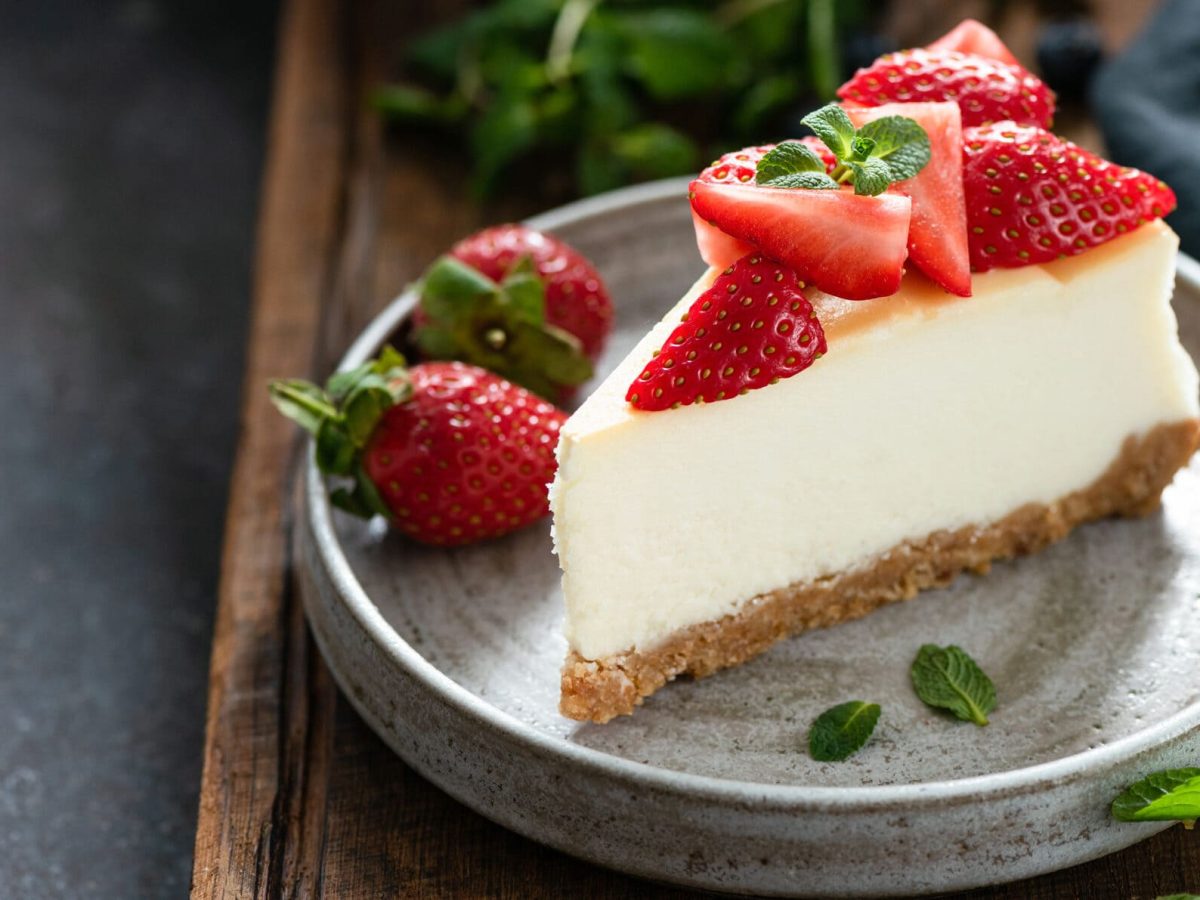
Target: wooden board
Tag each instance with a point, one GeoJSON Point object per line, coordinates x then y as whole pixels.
{"type": "Point", "coordinates": [299, 799]}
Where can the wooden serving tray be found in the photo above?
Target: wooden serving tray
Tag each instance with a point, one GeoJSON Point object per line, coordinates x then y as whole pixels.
{"type": "Point", "coordinates": [299, 798]}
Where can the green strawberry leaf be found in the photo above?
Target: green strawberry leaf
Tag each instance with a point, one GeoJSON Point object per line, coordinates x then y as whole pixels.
{"type": "Point", "coordinates": [947, 678]}
{"type": "Point", "coordinates": [840, 732]}
{"type": "Point", "coordinates": [871, 176]}
{"type": "Point", "coordinates": [335, 451]}
{"type": "Point", "coordinates": [901, 143]}
{"type": "Point", "coordinates": [834, 128]}
{"type": "Point", "coordinates": [523, 296]}
{"type": "Point", "coordinates": [302, 402]}
{"type": "Point", "coordinates": [450, 287]}
{"type": "Point", "coordinates": [1171, 795]}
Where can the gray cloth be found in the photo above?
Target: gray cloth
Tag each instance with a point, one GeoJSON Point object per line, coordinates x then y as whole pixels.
{"type": "Point", "coordinates": [1147, 102]}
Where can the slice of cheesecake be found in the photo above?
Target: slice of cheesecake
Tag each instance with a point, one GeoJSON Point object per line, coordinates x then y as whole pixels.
{"type": "Point", "coordinates": [937, 434]}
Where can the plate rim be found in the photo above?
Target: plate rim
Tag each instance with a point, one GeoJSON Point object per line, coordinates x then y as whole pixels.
{"type": "Point", "coordinates": [791, 797]}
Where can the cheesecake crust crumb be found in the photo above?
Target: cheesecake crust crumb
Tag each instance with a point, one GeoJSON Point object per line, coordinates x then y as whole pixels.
{"type": "Point", "coordinates": [601, 689]}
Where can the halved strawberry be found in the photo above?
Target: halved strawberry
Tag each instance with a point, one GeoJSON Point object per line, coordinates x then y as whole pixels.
{"type": "Point", "coordinates": [846, 245]}
{"type": "Point", "coordinates": [718, 249]}
{"type": "Point", "coordinates": [753, 327]}
{"type": "Point", "coordinates": [971, 36]}
{"type": "Point", "coordinates": [1033, 197]}
{"type": "Point", "coordinates": [986, 90]}
{"type": "Point", "coordinates": [937, 235]}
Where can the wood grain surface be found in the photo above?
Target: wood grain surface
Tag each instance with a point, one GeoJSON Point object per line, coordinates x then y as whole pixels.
{"type": "Point", "coordinates": [299, 799]}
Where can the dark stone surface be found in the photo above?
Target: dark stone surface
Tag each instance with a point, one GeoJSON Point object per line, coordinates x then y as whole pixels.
{"type": "Point", "coordinates": [130, 151]}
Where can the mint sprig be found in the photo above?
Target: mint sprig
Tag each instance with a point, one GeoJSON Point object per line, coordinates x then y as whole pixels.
{"type": "Point", "coordinates": [1168, 796]}
{"type": "Point", "coordinates": [872, 158]}
{"type": "Point", "coordinates": [840, 732]}
{"type": "Point", "coordinates": [947, 678]}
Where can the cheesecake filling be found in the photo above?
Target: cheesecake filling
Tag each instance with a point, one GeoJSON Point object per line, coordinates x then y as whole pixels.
{"type": "Point", "coordinates": [928, 413]}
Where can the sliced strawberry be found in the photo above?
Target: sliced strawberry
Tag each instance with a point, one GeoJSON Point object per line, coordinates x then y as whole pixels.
{"type": "Point", "coordinates": [847, 245]}
{"type": "Point", "coordinates": [937, 235]}
{"type": "Point", "coordinates": [718, 249]}
{"type": "Point", "coordinates": [1033, 197]}
{"type": "Point", "coordinates": [971, 36]}
{"type": "Point", "coordinates": [753, 327]}
{"type": "Point", "coordinates": [986, 90]}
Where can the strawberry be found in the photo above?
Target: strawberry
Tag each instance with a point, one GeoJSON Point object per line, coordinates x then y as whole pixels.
{"type": "Point", "coordinates": [1033, 197]}
{"type": "Point", "coordinates": [937, 234]}
{"type": "Point", "coordinates": [449, 453]}
{"type": "Point", "coordinates": [986, 90]}
{"type": "Point", "coordinates": [718, 249]}
{"type": "Point", "coordinates": [518, 302]}
{"type": "Point", "coordinates": [753, 327]}
{"type": "Point", "coordinates": [847, 245]}
{"type": "Point", "coordinates": [971, 36]}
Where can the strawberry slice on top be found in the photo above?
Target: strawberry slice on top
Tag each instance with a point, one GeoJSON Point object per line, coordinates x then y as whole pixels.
{"type": "Point", "coordinates": [986, 90]}
{"type": "Point", "coordinates": [751, 328]}
{"type": "Point", "coordinates": [972, 36]}
{"type": "Point", "coordinates": [937, 235]}
{"type": "Point", "coordinates": [1033, 196]}
{"type": "Point", "coordinates": [847, 245]}
{"type": "Point", "coordinates": [721, 250]}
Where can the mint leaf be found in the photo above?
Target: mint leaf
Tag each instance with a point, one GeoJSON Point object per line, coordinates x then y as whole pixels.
{"type": "Point", "coordinates": [901, 143]}
{"type": "Point", "coordinates": [946, 677]}
{"type": "Point", "coordinates": [811, 180]}
{"type": "Point", "coordinates": [787, 159]}
{"type": "Point", "coordinates": [834, 128]}
{"type": "Point", "coordinates": [1171, 795]}
{"type": "Point", "coordinates": [841, 731]}
{"type": "Point", "coordinates": [871, 176]}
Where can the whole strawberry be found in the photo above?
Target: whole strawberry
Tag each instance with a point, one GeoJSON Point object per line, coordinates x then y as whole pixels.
{"type": "Point", "coordinates": [1033, 197]}
{"type": "Point", "coordinates": [753, 327]}
{"type": "Point", "coordinates": [986, 90]}
{"type": "Point", "coordinates": [517, 302]}
{"type": "Point", "coordinates": [449, 453]}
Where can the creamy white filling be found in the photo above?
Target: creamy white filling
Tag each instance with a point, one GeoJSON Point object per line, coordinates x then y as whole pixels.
{"type": "Point", "coordinates": [955, 415]}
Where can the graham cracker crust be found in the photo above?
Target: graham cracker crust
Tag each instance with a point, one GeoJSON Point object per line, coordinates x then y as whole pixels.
{"type": "Point", "coordinates": [601, 689]}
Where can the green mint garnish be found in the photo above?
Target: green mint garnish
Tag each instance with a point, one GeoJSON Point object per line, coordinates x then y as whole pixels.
{"type": "Point", "coordinates": [947, 678]}
{"type": "Point", "coordinates": [871, 158]}
{"type": "Point", "coordinates": [841, 731]}
{"type": "Point", "coordinates": [1172, 795]}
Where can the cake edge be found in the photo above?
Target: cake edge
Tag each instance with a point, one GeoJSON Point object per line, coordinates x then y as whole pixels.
{"type": "Point", "coordinates": [602, 689]}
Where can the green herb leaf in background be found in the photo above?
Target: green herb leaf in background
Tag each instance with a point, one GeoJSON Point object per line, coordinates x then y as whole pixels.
{"type": "Point", "coordinates": [947, 678]}
{"type": "Point", "coordinates": [609, 93]}
{"type": "Point", "coordinates": [1171, 795]}
{"type": "Point", "coordinates": [840, 732]}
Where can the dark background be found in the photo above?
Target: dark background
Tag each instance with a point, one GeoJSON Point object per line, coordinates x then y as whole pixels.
{"type": "Point", "coordinates": [131, 139]}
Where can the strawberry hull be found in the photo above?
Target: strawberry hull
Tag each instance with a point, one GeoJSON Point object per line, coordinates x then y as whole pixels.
{"type": "Point", "coordinates": [844, 244]}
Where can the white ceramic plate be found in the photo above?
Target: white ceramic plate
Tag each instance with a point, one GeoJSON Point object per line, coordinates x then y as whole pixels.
{"type": "Point", "coordinates": [1094, 645]}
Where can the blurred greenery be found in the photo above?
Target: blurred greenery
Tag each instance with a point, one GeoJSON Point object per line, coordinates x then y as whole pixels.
{"type": "Point", "coordinates": [613, 92]}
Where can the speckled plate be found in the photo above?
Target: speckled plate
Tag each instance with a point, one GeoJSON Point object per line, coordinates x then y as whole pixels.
{"type": "Point", "coordinates": [453, 658]}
